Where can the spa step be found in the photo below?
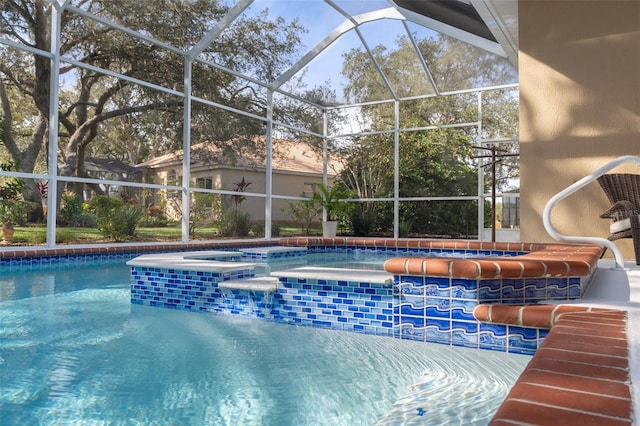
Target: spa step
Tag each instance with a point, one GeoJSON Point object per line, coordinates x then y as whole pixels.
{"type": "Point", "coordinates": [266, 284]}
{"type": "Point", "coordinates": [193, 261]}
{"type": "Point", "coordinates": [273, 254]}
{"type": "Point", "coordinates": [338, 274]}
{"type": "Point", "coordinates": [218, 255]}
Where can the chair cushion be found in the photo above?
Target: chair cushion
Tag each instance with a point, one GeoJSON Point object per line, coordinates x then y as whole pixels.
{"type": "Point", "coordinates": [621, 225]}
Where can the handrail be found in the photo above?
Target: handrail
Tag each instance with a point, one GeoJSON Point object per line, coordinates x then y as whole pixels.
{"type": "Point", "coordinates": [546, 215]}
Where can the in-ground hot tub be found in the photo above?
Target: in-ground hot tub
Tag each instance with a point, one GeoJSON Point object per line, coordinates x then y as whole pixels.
{"type": "Point", "coordinates": [428, 290]}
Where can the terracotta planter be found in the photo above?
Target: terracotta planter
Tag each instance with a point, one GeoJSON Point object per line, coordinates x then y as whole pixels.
{"type": "Point", "coordinates": [7, 233]}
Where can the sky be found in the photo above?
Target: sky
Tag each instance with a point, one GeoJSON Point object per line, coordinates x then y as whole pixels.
{"type": "Point", "coordinates": [321, 19]}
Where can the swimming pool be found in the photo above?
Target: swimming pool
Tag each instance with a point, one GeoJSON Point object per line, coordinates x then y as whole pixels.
{"type": "Point", "coordinates": [74, 350]}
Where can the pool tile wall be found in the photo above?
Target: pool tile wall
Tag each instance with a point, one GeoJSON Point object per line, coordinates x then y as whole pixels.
{"type": "Point", "coordinates": [339, 304]}
{"type": "Point", "coordinates": [185, 290]}
{"type": "Point", "coordinates": [262, 255]}
{"type": "Point", "coordinates": [440, 310]}
{"type": "Point", "coordinates": [439, 283]}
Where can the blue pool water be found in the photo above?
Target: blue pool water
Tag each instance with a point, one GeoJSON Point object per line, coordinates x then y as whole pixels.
{"type": "Point", "coordinates": [73, 350]}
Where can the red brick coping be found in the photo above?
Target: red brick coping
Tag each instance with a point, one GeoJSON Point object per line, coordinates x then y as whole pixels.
{"type": "Point", "coordinates": [580, 373]}
{"type": "Point", "coordinates": [16, 252]}
{"type": "Point", "coordinates": [541, 260]}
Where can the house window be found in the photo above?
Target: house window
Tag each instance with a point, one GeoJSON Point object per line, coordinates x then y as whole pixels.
{"type": "Point", "coordinates": [308, 189]}
{"type": "Point", "coordinates": [200, 199]}
{"type": "Point", "coordinates": [204, 183]}
{"type": "Point", "coordinates": [172, 178]}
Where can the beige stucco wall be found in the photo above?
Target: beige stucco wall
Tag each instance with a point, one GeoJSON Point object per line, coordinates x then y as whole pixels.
{"type": "Point", "coordinates": [285, 184]}
{"type": "Point", "coordinates": [579, 69]}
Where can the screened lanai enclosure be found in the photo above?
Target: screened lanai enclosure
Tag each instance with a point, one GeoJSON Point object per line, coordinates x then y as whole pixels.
{"type": "Point", "coordinates": [195, 119]}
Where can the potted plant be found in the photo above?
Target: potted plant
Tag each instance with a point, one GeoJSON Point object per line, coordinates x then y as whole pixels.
{"type": "Point", "coordinates": [7, 233]}
{"type": "Point", "coordinates": [328, 198]}
{"type": "Point", "coordinates": [13, 210]}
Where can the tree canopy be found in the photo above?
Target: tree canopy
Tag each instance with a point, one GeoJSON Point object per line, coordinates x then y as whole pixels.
{"type": "Point", "coordinates": [436, 148]}
{"type": "Point", "coordinates": [127, 70]}
{"type": "Point", "coordinates": [100, 113]}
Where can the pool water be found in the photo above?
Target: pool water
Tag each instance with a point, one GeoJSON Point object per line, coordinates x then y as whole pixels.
{"type": "Point", "coordinates": [367, 261]}
{"type": "Point", "coordinates": [73, 350]}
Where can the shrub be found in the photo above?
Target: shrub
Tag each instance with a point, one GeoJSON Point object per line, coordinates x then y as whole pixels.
{"type": "Point", "coordinates": [116, 220]}
{"type": "Point", "coordinates": [203, 210]}
{"type": "Point", "coordinates": [102, 203]}
{"type": "Point", "coordinates": [13, 211]}
{"type": "Point", "coordinates": [152, 221]}
{"type": "Point", "coordinates": [72, 212]}
{"type": "Point", "coordinates": [153, 218]}
{"type": "Point", "coordinates": [363, 220]}
{"type": "Point", "coordinates": [234, 223]}
{"type": "Point", "coordinates": [404, 227]}
{"type": "Point", "coordinates": [304, 213]}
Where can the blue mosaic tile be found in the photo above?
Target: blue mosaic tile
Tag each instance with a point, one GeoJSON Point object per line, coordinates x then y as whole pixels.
{"type": "Point", "coordinates": [438, 307]}
{"type": "Point", "coordinates": [513, 289]}
{"type": "Point", "coordinates": [492, 336]}
{"type": "Point", "coordinates": [410, 331]}
{"type": "Point", "coordinates": [489, 291]}
{"type": "Point", "coordinates": [464, 333]}
{"type": "Point", "coordinates": [535, 290]}
{"type": "Point", "coordinates": [415, 301]}
{"type": "Point", "coordinates": [575, 288]}
{"type": "Point", "coordinates": [416, 281]}
{"type": "Point", "coordinates": [462, 309]}
{"type": "Point", "coordinates": [437, 286]}
{"type": "Point", "coordinates": [557, 288]}
{"type": "Point", "coordinates": [522, 339]}
{"type": "Point", "coordinates": [438, 331]}
{"type": "Point", "coordinates": [413, 311]}
{"type": "Point", "coordinates": [464, 289]}
{"type": "Point", "coordinates": [409, 289]}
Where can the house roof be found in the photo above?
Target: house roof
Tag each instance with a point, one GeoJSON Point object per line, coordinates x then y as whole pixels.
{"type": "Point", "coordinates": [108, 165]}
{"type": "Point", "coordinates": [288, 156]}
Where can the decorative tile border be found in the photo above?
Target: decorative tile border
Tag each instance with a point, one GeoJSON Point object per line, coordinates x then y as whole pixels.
{"type": "Point", "coordinates": [441, 310]}
{"type": "Point", "coordinates": [271, 254]}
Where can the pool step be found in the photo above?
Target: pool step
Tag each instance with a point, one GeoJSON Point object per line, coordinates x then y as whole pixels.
{"type": "Point", "coordinates": [339, 274]}
{"type": "Point", "coordinates": [273, 254]}
{"type": "Point", "coordinates": [265, 284]}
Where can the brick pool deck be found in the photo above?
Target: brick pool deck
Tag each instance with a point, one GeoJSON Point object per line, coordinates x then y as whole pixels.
{"type": "Point", "coordinates": [579, 375]}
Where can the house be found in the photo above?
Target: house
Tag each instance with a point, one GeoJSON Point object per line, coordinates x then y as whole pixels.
{"type": "Point", "coordinates": [297, 168]}
{"type": "Point", "coordinates": [109, 169]}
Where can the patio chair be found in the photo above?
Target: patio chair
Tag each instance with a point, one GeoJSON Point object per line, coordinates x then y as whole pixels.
{"type": "Point", "coordinates": [623, 192]}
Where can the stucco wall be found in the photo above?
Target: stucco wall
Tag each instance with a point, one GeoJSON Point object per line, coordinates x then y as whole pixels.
{"type": "Point", "coordinates": [579, 68]}
{"type": "Point", "coordinates": [285, 184]}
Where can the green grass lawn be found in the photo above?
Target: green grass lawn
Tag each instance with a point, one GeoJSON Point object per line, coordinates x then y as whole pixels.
{"type": "Point", "coordinates": [37, 234]}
